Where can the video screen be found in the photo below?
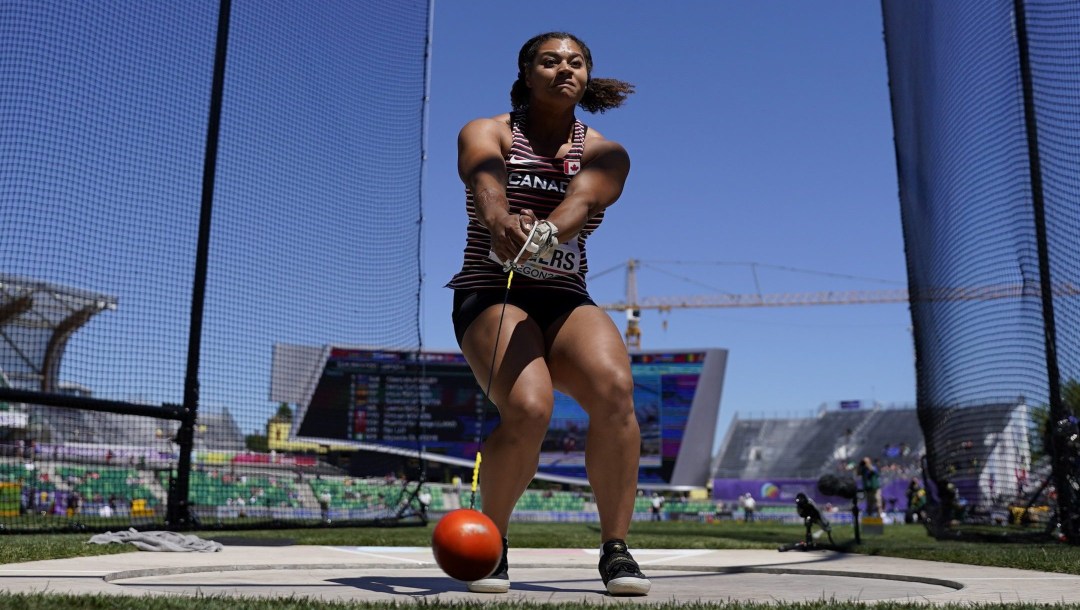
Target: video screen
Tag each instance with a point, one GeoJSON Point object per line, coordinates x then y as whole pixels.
{"type": "Point", "coordinates": [431, 399]}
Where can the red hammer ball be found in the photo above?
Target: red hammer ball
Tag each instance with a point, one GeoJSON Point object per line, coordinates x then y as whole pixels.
{"type": "Point", "coordinates": [467, 545]}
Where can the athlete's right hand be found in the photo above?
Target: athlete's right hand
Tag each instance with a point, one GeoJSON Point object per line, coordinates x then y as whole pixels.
{"type": "Point", "coordinates": [508, 236]}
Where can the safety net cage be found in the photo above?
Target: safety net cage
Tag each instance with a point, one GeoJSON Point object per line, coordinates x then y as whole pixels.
{"type": "Point", "coordinates": [183, 186]}
{"type": "Point", "coordinates": [986, 112]}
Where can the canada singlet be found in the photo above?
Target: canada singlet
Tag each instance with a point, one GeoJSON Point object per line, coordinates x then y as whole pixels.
{"type": "Point", "coordinates": [539, 184]}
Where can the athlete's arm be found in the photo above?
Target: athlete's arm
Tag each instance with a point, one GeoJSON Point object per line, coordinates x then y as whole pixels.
{"type": "Point", "coordinates": [482, 169]}
{"type": "Point", "coordinates": [598, 185]}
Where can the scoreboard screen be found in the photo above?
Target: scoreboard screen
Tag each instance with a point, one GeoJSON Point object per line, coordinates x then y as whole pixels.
{"type": "Point", "coordinates": [430, 401]}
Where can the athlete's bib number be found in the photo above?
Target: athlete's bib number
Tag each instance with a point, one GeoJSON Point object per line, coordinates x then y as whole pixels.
{"type": "Point", "coordinates": [564, 260]}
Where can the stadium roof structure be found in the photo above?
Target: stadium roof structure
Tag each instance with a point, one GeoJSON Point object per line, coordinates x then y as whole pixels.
{"type": "Point", "coordinates": [36, 321]}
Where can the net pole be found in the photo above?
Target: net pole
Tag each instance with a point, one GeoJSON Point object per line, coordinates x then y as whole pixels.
{"type": "Point", "coordinates": [1066, 511]}
{"type": "Point", "coordinates": [178, 514]}
{"type": "Point", "coordinates": [422, 460]}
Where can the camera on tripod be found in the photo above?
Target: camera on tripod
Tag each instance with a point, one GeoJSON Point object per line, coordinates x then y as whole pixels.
{"type": "Point", "coordinates": [828, 485]}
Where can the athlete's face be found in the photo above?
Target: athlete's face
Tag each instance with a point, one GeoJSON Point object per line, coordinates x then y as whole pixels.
{"type": "Point", "coordinates": [558, 72]}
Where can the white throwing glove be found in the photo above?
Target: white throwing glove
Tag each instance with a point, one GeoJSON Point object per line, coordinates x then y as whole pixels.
{"type": "Point", "coordinates": [543, 239]}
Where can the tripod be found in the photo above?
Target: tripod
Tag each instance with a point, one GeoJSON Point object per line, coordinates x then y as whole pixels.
{"type": "Point", "coordinates": [411, 504]}
{"type": "Point", "coordinates": [810, 515]}
{"type": "Point", "coordinates": [808, 543]}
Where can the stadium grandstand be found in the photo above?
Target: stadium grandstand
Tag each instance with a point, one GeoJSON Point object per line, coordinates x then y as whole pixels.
{"type": "Point", "coordinates": [773, 459]}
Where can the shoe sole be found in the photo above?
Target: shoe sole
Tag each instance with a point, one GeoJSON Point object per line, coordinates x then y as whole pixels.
{"type": "Point", "coordinates": [489, 585]}
{"type": "Point", "coordinates": [629, 585]}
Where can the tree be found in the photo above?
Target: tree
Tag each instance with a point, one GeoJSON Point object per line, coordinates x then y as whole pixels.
{"type": "Point", "coordinates": [256, 443]}
{"type": "Point", "coordinates": [1070, 395]}
{"type": "Point", "coordinates": [284, 413]}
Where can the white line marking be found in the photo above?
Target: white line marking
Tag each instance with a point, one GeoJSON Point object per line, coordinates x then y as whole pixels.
{"type": "Point", "coordinates": [679, 555]}
{"type": "Point", "coordinates": [360, 551]}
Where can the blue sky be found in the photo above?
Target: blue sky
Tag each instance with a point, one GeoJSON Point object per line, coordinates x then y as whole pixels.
{"type": "Point", "coordinates": [760, 133]}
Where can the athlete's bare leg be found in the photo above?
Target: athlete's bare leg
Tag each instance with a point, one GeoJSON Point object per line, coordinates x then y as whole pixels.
{"type": "Point", "coordinates": [522, 392]}
{"type": "Point", "coordinates": [588, 361]}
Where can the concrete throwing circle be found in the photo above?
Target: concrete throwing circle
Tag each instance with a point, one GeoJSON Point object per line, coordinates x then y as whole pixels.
{"type": "Point", "coordinates": [539, 583]}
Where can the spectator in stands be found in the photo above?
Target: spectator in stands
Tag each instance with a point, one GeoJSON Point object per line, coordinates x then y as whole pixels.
{"type": "Point", "coordinates": [871, 485]}
{"type": "Point", "coordinates": [953, 505]}
{"type": "Point", "coordinates": [916, 500]}
{"type": "Point", "coordinates": [538, 183]}
{"type": "Point", "coordinates": [721, 510]}
{"type": "Point", "coordinates": [1021, 481]}
{"type": "Point", "coordinates": [749, 505]}
{"type": "Point", "coordinates": [569, 443]}
{"type": "Point", "coordinates": [73, 504]}
{"type": "Point", "coordinates": [657, 507]}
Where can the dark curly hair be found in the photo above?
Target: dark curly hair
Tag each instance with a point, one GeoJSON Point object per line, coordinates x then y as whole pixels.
{"type": "Point", "coordinates": [601, 94]}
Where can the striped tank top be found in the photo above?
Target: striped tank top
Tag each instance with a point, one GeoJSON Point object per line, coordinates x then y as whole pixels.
{"type": "Point", "coordinates": [536, 183]}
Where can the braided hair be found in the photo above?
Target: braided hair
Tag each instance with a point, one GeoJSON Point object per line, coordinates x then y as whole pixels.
{"type": "Point", "coordinates": [601, 94]}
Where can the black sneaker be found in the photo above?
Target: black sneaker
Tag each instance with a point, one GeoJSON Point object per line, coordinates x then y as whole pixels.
{"type": "Point", "coordinates": [620, 572]}
{"type": "Point", "coordinates": [498, 582]}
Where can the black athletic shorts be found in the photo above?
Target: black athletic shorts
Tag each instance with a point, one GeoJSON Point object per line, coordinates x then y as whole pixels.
{"type": "Point", "coordinates": [543, 305]}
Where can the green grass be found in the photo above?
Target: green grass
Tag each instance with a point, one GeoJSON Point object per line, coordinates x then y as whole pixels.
{"type": "Point", "coordinates": [898, 541]}
{"type": "Point", "coordinates": [17, 548]}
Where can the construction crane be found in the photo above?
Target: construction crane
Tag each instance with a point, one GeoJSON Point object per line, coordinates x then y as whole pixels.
{"type": "Point", "coordinates": [633, 306]}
